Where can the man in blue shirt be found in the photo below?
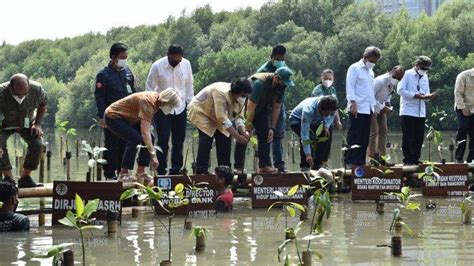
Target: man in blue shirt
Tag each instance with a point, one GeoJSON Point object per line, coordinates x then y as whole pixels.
{"type": "Point", "coordinates": [414, 90]}
{"type": "Point", "coordinates": [9, 220]}
{"type": "Point", "coordinates": [304, 119]}
{"type": "Point", "coordinates": [360, 103]}
{"type": "Point", "coordinates": [113, 82]}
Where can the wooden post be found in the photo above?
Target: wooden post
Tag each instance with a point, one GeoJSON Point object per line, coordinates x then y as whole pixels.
{"type": "Point", "coordinates": [68, 258]}
{"type": "Point", "coordinates": [77, 148]}
{"type": "Point", "coordinates": [68, 165]}
{"type": "Point", "coordinates": [99, 172]}
{"type": "Point", "coordinates": [61, 148]}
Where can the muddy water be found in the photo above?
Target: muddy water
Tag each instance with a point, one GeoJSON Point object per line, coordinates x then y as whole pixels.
{"type": "Point", "coordinates": [251, 237]}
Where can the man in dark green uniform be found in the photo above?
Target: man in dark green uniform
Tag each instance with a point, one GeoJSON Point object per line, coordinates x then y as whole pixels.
{"type": "Point", "coordinates": [20, 100]}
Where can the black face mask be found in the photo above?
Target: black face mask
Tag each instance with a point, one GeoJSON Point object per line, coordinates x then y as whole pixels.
{"type": "Point", "coordinates": [173, 63]}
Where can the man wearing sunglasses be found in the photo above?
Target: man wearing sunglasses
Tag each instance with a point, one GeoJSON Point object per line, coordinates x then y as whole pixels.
{"type": "Point", "coordinates": [414, 90]}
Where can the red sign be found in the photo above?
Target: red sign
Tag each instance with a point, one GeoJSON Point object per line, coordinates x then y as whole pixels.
{"type": "Point", "coordinates": [201, 200]}
{"type": "Point", "coordinates": [64, 195]}
{"type": "Point", "coordinates": [448, 180]}
{"type": "Point", "coordinates": [264, 187]}
{"type": "Point", "coordinates": [371, 183]}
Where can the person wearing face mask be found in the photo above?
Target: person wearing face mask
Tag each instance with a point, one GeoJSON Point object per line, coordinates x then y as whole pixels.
{"type": "Point", "coordinates": [263, 110]}
{"type": "Point", "coordinates": [414, 90]}
{"type": "Point", "coordinates": [214, 111]}
{"type": "Point", "coordinates": [326, 88]}
{"type": "Point", "coordinates": [171, 71]}
{"type": "Point", "coordinates": [113, 82]}
{"type": "Point", "coordinates": [384, 87]}
{"type": "Point", "coordinates": [360, 103]}
{"type": "Point", "coordinates": [9, 220]}
{"type": "Point", "coordinates": [20, 100]}
{"type": "Point", "coordinates": [130, 119]}
{"type": "Point", "coordinates": [305, 119]}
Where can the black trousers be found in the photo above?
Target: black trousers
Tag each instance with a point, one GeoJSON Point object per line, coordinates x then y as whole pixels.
{"type": "Point", "coordinates": [358, 134]}
{"type": "Point", "coordinates": [114, 153]}
{"type": "Point", "coordinates": [413, 133]}
{"type": "Point", "coordinates": [223, 147]}
{"type": "Point", "coordinates": [465, 128]}
{"type": "Point", "coordinates": [323, 149]}
{"type": "Point", "coordinates": [173, 126]}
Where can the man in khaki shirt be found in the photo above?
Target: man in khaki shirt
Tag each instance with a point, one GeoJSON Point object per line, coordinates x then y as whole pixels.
{"type": "Point", "coordinates": [214, 111]}
{"type": "Point", "coordinates": [464, 107]}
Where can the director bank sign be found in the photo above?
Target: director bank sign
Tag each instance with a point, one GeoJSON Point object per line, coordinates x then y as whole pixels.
{"type": "Point", "coordinates": [64, 193]}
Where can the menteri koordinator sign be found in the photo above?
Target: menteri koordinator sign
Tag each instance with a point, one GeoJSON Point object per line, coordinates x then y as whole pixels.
{"type": "Point", "coordinates": [64, 194]}
{"type": "Point", "coordinates": [371, 183]}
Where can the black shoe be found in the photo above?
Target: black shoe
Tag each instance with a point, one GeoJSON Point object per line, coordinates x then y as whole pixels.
{"type": "Point", "coordinates": [203, 173]}
{"type": "Point", "coordinates": [26, 182]}
{"type": "Point", "coordinates": [282, 169]}
{"type": "Point", "coordinates": [9, 179]}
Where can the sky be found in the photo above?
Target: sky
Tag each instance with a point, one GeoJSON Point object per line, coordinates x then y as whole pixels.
{"type": "Point", "coordinates": [23, 20]}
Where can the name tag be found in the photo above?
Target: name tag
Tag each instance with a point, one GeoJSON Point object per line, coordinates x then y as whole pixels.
{"type": "Point", "coordinates": [129, 89]}
{"type": "Point", "coordinates": [27, 123]}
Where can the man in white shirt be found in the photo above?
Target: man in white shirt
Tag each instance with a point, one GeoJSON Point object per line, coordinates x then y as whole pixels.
{"type": "Point", "coordinates": [360, 103]}
{"type": "Point", "coordinates": [171, 71]}
{"type": "Point", "coordinates": [384, 86]}
{"type": "Point", "coordinates": [414, 90]}
{"type": "Point", "coordinates": [464, 107]}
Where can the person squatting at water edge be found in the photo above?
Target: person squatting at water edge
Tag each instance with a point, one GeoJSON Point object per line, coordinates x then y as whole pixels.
{"type": "Point", "coordinates": [9, 220]}
{"type": "Point", "coordinates": [304, 121]}
{"type": "Point", "coordinates": [263, 110]}
{"type": "Point", "coordinates": [130, 119]}
{"type": "Point", "coordinates": [22, 105]}
{"type": "Point", "coordinates": [326, 88]}
{"type": "Point", "coordinates": [218, 112]}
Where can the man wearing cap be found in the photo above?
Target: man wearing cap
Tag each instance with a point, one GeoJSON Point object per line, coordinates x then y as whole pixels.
{"type": "Point", "coordinates": [20, 100]}
{"type": "Point", "coordinates": [464, 107]}
{"type": "Point", "coordinates": [360, 103]}
{"type": "Point", "coordinates": [171, 71]}
{"type": "Point", "coordinates": [414, 90]}
{"type": "Point", "coordinates": [384, 87]}
{"type": "Point", "coordinates": [113, 82]}
{"type": "Point", "coordinates": [263, 110]}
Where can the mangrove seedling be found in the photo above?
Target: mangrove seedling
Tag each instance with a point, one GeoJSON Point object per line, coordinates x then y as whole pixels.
{"type": "Point", "coordinates": [199, 232]}
{"type": "Point", "coordinates": [466, 210]}
{"type": "Point", "coordinates": [54, 252]}
{"type": "Point", "coordinates": [156, 194]}
{"type": "Point", "coordinates": [191, 190]}
{"type": "Point", "coordinates": [288, 208]}
{"type": "Point", "coordinates": [380, 166]}
{"type": "Point", "coordinates": [430, 173]}
{"type": "Point", "coordinates": [94, 157]}
{"type": "Point", "coordinates": [67, 131]}
{"type": "Point", "coordinates": [405, 198]}
{"type": "Point", "coordinates": [81, 220]}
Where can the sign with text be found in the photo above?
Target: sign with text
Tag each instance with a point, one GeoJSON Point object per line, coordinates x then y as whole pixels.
{"type": "Point", "coordinates": [446, 180]}
{"type": "Point", "coordinates": [264, 187]}
{"type": "Point", "coordinates": [202, 200]}
{"type": "Point", "coordinates": [64, 194]}
{"type": "Point", "coordinates": [371, 183]}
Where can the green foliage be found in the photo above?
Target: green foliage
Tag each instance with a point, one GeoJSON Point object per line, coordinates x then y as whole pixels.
{"type": "Point", "coordinates": [226, 45]}
{"type": "Point", "coordinates": [198, 231]}
{"type": "Point", "coordinates": [406, 199]}
{"type": "Point", "coordinates": [53, 252]}
{"type": "Point", "coordinates": [465, 205]}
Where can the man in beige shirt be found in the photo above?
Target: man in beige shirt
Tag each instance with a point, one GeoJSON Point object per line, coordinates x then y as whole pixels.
{"type": "Point", "coordinates": [217, 111]}
{"type": "Point", "coordinates": [464, 107]}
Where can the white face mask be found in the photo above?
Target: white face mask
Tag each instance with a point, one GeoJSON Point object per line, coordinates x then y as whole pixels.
{"type": "Point", "coordinates": [327, 83]}
{"type": "Point", "coordinates": [394, 82]}
{"type": "Point", "coordinates": [369, 65]}
{"type": "Point", "coordinates": [122, 63]}
{"type": "Point", "coordinates": [19, 100]}
{"type": "Point", "coordinates": [241, 100]}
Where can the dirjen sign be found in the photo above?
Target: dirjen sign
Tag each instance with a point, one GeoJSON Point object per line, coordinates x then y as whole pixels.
{"type": "Point", "coordinates": [264, 187]}
{"type": "Point", "coordinates": [202, 199]}
{"type": "Point", "coordinates": [443, 180]}
{"type": "Point", "coordinates": [64, 193]}
{"type": "Point", "coordinates": [371, 183]}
